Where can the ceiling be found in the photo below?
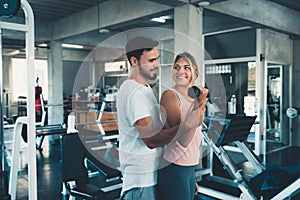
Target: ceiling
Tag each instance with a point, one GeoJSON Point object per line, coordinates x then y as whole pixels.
{"type": "Point", "coordinates": [50, 11]}
{"type": "Point", "coordinates": [293, 4]}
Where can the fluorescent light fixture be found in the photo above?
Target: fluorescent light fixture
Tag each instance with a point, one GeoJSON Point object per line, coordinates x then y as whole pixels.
{"type": "Point", "coordinates": [158, 19]}
{"type": "Point", "coordinates": [104, 30]}
{"type": "Point", "coordinates": [203, 3]}
{"type": "Point", "coordinates": [10, 52]}
{"type": "Point", "coordinates": [42, 45]}
{"type": "Point", "coordinates": [72, 46]}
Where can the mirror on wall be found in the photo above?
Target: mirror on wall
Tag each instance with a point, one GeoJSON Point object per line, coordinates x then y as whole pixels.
{"type": "Point", "coordinates": [227, 79]}
{"type": "Point", "coordinates": [277, 129]}
{"type": "Point", "coordinates": [273, 103]}
{"type": "Point", "coordinates": [236, 78]}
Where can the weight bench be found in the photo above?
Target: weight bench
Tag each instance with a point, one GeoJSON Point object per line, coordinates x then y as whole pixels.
{"type": "Point", "coordinates": [274, 183]}
{"type": "Point", "coordinates": [76, 181]}
{"type": "Point", "coordinates": [102, 154]}
{"type": "Point", "coordinates": [42, 131]}
{"type": "Point", "coordinates": [109, 172]}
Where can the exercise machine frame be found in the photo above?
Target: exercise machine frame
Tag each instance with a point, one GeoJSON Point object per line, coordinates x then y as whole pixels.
{"type": "Point", "coordinates": [237, 178]}
{"type": "Point", "coordinates": [28, 28]}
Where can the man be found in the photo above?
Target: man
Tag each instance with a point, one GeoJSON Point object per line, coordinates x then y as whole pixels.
{"type": "Point", "coordinates": [141, 133]}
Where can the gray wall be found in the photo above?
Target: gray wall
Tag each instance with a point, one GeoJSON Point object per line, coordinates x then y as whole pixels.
{"type": "Point", "coordinates": [231, 45]}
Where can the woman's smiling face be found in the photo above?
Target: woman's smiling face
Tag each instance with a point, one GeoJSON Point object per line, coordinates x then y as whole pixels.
{"type": "Point", "coordinates": [182, 72]}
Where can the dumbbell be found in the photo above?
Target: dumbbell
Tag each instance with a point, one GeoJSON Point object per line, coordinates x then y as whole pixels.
{"type": "Point", "coordinates": [195, 93]}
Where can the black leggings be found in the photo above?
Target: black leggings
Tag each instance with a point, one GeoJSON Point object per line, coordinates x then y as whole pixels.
{"type": "Point", "coordinates": [176, 182]}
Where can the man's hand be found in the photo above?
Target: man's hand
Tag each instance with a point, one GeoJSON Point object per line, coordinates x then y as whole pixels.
{"type": "Point", "coordinates": [196, 188]}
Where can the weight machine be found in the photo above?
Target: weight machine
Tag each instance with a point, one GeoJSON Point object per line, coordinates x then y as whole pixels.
{"type": "Point", "coordinates": [9, 8]}
{"type": "Point", "coordinates": [273, 183]}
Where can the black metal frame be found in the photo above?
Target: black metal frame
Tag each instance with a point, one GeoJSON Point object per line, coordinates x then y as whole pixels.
{"type": "Point", "coordinates": [73, 154]}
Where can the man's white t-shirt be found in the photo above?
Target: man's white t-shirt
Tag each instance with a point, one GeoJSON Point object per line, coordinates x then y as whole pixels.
{"type": "Point", "coordinates": [138, 163]}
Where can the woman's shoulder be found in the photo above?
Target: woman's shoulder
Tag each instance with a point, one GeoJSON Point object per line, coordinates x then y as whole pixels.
{"type": "Point", "coordinates": [169, 95]}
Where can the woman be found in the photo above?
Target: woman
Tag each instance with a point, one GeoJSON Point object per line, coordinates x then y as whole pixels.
{"type": "Point", "coordinates": [176, 177]}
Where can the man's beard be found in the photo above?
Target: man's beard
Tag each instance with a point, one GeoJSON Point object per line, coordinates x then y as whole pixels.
{"type": "Point", "coordinates": [150, 79]}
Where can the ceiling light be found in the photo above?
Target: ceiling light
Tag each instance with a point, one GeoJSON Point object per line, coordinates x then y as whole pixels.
{"type": "Point", "coordinates": [42, 45]}
{"type": "Point", "coordinates": [104, 30]}
{"type": "Point", "coordinates": [158, 19]}
{"type": "Point", "coordinates": [10, 52]}
{"type": "Point", "coordinates": [72, 46]}
{"type": "Point", "coordinates": [203, 3]}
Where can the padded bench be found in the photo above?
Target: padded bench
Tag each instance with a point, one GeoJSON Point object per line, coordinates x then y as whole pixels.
{"type": "Point", "coordinates": [109, 172]}
{"type": "Point", "coordinates": [42, 131]}
{"type": "Point", "coordinates": [101, 156]}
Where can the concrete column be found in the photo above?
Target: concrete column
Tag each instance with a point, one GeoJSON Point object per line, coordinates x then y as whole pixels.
{"type": "Point", "coordinates": [188, 22]}
{"type": "Point", "coordinates": [7, 85]}
{"type": "Point", "coordinates": [55, 85]}
{"type": "Point", "coordinates": [188, 37]}
{"type": "Point", "coordinates": [296, 92]}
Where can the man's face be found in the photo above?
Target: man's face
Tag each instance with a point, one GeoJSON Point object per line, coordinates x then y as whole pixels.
{"type": "Point", "coordinates": [148, 64]}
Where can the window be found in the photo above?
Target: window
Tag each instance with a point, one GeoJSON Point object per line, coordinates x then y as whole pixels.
{"type": "Point", "coordinates": [19, 77]}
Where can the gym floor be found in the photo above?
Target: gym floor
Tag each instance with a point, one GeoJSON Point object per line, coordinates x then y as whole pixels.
{"type": "Point", "coordinates": [49, 169]}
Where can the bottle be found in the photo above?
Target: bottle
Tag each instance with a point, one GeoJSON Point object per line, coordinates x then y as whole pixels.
{"type": "Point", "coordinates": [71, 123]}
{"type": "Point", "coordinates": [233, 104]}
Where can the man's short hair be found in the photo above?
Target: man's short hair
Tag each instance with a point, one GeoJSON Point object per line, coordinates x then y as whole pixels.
{"type": "Point", "coordinates": [136, 46]}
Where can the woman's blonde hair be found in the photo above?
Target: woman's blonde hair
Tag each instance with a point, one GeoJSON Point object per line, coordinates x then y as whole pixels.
{"type": "Point", "coordinates": [192, 62]}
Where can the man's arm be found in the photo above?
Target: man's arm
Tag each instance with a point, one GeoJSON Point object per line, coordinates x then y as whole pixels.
{"type": "Point", "coordinates": [156, 138]}
{"type": "Point", "coordinates": [152, 138]}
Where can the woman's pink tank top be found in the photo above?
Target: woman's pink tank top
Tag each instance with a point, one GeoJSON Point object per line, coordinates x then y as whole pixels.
{"type": "Point", "coordinates": [178, 154]}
